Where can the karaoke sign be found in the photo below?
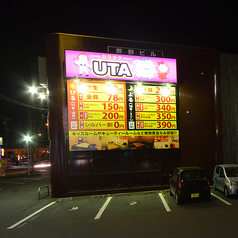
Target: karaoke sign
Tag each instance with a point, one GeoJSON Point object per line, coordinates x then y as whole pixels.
{"type": "Point", "coordinates": [92, 65]}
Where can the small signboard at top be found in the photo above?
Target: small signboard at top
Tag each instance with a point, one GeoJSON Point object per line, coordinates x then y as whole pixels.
{"type": "Point", "coordinates": [134, 51]}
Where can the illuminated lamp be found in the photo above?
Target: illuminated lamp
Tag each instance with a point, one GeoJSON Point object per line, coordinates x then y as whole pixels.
{"type": "Point", "coordinates": [138, 88]}
{"type": "Point", "coordinates": [27, 138]}
{"type": "Point", "coordinates": [165, 90]}
{"type": "Point", "coordinates": [42, 96]}
{"type": "Point", "coordinates": [76, 79]}
{"type": "Point", "coordinates": [33, 89]}
{"type": "Point", "coordinates": [112, 89]}
{"type": "Point", "coordinates": [168, 84]}
{"type": "Point", "coordinates": [108, 81]}
{"type": "Point", "coordinates": [82, 88]}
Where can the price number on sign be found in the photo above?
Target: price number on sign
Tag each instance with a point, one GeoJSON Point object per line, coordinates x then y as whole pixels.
{"type": "Point", "coordinates": [166, 116]}
{"type": "Point", "coordinates": [113, 106]}
{"type": "Point", "coordinates": [115, 98]}
{"type": "Point", "coordinates": [166, 125]}
{"type": "Point", "coordinates": [111, 115]}
{"type": "Point", "coordinates": [165, 107]}
{"type": "Point", "coordinates": [165, 90]}
{"type": "Point", "coordinates": [165, 99]}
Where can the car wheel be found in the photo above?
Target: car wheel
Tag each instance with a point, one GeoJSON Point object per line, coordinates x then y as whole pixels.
{"type": "Point", "coordinates": [178, 200]}
{"type": "Point", "coordinates": [170, 193]}
{"type": "Point", "coordinates": [214, 186]}
{"type": "Point", "coordinates": [226, 192]}
{"type": "Point", "coordinates": [208, 198]}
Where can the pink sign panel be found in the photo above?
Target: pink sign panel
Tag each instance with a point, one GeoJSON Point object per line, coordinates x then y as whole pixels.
{"type": "Point", "coordinates": [83, 64]}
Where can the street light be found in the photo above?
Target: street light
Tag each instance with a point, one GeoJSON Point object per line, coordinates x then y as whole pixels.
{"type": "Point", "coordinates": [40, 91]}
{"type": "Point", "coordinates": [33, 90]}
{"type": "Point", "coordinates": [42, 96]}
{"type": "Point", "coordinates": [28, 139]}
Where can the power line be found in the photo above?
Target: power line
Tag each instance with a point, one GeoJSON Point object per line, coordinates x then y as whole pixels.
{"type": "Point", "coordinates": [21, 103]}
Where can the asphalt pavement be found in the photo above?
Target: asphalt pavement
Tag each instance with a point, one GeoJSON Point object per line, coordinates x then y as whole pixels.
{"type": "Point", "coordinates": [19, 193]}
{"type": "Point", "coordinates": [140, 214]}
{"type": "Point", "coordinates": [20, 170]}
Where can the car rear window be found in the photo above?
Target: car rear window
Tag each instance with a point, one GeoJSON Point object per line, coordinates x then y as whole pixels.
{"type": "Point", "coordinates": [193, 174]}
{"type": "Point", "coordinates": [232, 172]}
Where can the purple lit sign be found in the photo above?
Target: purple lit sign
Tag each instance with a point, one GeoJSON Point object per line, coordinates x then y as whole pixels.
{"type": "Point", "coordinates": [83, 64]}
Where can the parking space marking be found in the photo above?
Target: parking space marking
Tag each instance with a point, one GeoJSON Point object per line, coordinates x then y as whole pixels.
{"type": "Point", "coordinates": [227, 203]}
{"type": "Point", "coordinates": [27, 218]}
{"type": "Point", "coordinates": [12, 182]}
{"type": "Point", "coordinates": [166, 206]}
{"type": "Point", "coordinates": [102, 209]}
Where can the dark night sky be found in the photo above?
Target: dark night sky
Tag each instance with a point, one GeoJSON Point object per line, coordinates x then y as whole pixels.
{"type": "Point", "coordinates": [25, 24]}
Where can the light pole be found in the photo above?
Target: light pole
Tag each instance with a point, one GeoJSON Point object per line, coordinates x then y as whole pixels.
{"type": "Point", "coordinates": [41, 93]}
{"type": "Point", "coordinates": [28, 139]}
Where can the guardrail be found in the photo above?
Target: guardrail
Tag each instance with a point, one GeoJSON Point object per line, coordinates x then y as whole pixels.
{"type": "Point", "coordinates": [47, 192]}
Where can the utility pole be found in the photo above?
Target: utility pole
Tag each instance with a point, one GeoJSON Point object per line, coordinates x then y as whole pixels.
{"type": "Point", "coordinates": [6, 145]}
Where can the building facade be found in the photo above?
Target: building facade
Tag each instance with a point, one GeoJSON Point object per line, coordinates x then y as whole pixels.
{"type": "Point", "coordinates": [127, 140]}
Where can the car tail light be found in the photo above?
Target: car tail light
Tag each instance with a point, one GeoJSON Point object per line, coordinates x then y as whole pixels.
{"type": "Point", "coordinates": [179, 184]}
{"type": "Point", "coordinates": [208, 183]}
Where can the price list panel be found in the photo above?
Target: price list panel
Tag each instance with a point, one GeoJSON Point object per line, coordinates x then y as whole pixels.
{"type": "Point", "coordinates": [96, 106]}
{"type": "Point", "coordinates": [121, 115]}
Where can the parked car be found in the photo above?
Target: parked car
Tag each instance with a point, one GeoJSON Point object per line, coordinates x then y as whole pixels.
{"type": "Point", "coordinates": [189, 183]}
{"type": "Point", "coordinates": [225, 178]}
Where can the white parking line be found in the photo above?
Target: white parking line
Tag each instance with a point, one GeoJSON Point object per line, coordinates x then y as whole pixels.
{"type": "Point", "coordinates": [27, 218]}
{"type": "Point", "coordinates": [166, 206]}
{"type": "Point", "coordinates": [102, 209]}
{"type": "Point", "coordinates": [13, 182]}
{"type": "Point", "coordinates": [227, 203]}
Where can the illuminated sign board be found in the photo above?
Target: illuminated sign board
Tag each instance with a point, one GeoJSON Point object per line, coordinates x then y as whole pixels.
{"type": "Point", "coordinates": [109, 110]}
{"type": "Point", "coordinates": [92, 65]}
{"type": "Point", "coordinates": [121, 115]}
